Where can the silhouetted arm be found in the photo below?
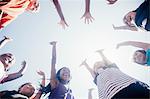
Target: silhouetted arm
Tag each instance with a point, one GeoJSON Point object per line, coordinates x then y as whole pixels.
{"type": "Point", "coordinates": [84, 63]}
{"type": "Point", "coordinates": [4, 41]}
{"type": "Point", "coordinates": [16, 75]}
{"type": "Point", "coordinates": [58, 7]}
{"type": "Point", "coordinates": [87, 14]}
{"type": "Point", "coordinates": [39, 93]}
{"type": "Point", "coordinates": [142, 45]}
{"type": "Point", "coordinates": [53, 63]}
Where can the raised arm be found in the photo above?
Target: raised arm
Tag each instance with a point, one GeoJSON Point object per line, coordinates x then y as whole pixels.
{"type": "Point", "coordinates": [87, 14]}
{"type": "Point", "coordinates": [104, 58]}
{"type": "Point", "coordinates": [4, 41]}
{"type": "Point", "coordinates": [16, 75]}
{"type": "Point", "coordinates": [62, 22]}
{"type": "Point", "coordinates": [39, 93]}
{"type": "Point", "coordinates": [84, 63]}
{"type": "Point", "coordinates": [53, 63]}
{"type": "Point", "coordinates": [142, 45]}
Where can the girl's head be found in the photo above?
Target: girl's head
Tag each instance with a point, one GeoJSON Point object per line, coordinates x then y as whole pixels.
{"type": "Point", "coordinates": [97, 65]}
{"type": "Point", "coordinates": [8, 60]}
{"type": "Point", "coordinates": [26, 89]}
{"type": "Point", "coordinates": [63, 75]}
{"type": "Point", "coordinates": [139, 57]}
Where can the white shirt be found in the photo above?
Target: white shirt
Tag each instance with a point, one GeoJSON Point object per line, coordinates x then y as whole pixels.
{"type": "Point", "coordinates": [110, 81]}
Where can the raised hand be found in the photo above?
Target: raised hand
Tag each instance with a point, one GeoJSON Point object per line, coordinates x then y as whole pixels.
{"type": "Point", "coordinates": [53, 43]}
{"type": "Point", "coordinates": [24, 66]}
{"type": "Point", "coordinates": [111, 1]}
{"type": "Point", "coordinates": [63, 23]}
{"type": "Point", "coordinates": [91, 89]}
{"type": "Point", "coordinates": [41, 73]}
{"type": "Point", "coordinates": [88, 17]}
{"type": "Point", "coordinates": [100, 51]}
{"type": "Point", "coordinates": [83, 63]}
{"type": "Point", "coordinates": [8, 38]}
{"type": "Point", "coordinates": [128, 18]}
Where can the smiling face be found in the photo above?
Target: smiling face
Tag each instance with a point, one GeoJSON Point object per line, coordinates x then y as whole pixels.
{"type": "Point", "coordinates": [27, 89]}
{"type": "Point", "coordinates": [139, 57]}
{"type": "Point", "coordinates": [65, 74]}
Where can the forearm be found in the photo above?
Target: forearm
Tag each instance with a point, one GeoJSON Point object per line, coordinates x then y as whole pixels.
{"type": "Point", "coordinates": [53, 62]}
{"type": "Point", "coordinates": [3, 42]}
{"type": "Point", "coordinates": [87, 5]}
{"type": "Point", "coordinates": [90, 70]}
{"type": "Point", "coordinates": [135, 44]}
{"type": "Point", "coordinates": [104, 59]}
{"type": "Point", "coordinates": [57, 5]}
{"type": "Point", "coordinates": [12, 76]}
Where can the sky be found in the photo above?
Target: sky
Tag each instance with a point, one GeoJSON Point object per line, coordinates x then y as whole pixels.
{"type": "Point", "coordinates": [32, 32]}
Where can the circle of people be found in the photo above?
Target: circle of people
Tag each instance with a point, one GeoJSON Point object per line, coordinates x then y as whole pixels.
{"type": "Point", "coordinates": [111, 82]}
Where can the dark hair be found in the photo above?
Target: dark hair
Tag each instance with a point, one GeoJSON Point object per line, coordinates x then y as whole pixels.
{"type": "Point", "coordinates": [6, 54]}
{"type": "Point", "coordinates": [59, 78]}
{"type": "Point", "coordinates": [141, 51]}
{"type": "Point", "coordinates": [19, 89]}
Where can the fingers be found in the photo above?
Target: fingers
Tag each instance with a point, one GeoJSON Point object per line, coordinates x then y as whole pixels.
{"type": "Point", "coordinates": [24, 63]}
{"type": "Point", "coordinates": [53, 42]}
{"type": "Point", "coordinates": [83, 63]}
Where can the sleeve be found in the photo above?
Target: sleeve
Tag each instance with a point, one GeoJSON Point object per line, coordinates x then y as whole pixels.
{"type": "Point", "coordinates": [46, 89]}
{"type": "Point", "coordinates": [95, 79]}
{"type": "Point", "coordinates": [141, 6]}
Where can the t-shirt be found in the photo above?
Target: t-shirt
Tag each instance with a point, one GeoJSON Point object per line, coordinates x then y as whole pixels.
{"type": "Point", "coordinates": [110, 81]}
{"type": "Point", "coordinates": [148, 57]}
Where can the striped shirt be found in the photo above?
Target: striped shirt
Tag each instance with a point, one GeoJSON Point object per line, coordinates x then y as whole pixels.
{"type": "Point", "coordinates": [110, 81]}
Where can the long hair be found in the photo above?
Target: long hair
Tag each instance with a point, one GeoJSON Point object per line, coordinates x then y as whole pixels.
{"type": "Point", "coordinates": [59, 78]}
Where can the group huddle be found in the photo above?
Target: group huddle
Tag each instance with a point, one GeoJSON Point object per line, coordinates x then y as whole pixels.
{"type": "Point", "coordinates": [111, 82]}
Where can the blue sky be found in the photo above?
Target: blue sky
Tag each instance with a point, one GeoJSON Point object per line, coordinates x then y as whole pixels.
{"type": "Point", "coordinates": [32, 33]}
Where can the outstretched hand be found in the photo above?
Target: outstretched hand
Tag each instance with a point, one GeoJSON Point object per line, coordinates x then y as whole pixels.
{"type": "Point", "coordinates": [41, 73]}
{"type": "Point", "coordinates": [88, 17]}
{"type": "Point", "coordinates": [63, 23]}
{"type": "Point", "coordinates": [8, 38]}
{"type": "Point", "coordinates": [24, 66]}
{"type": "Point", "coordinates": [128, 18]}
{"type": "Point", "coordinates": [118, 45]}
{"type": "Point", "coordinates": [83, 63]}
{"type": "Point", "coordinates": [53, 43]}
{"type": "Point", "coordinates": [91, 89]}
{"type": "Point", "coordinates": [111, 1]}
{"type": "Point", "coordinates": [100, 51]}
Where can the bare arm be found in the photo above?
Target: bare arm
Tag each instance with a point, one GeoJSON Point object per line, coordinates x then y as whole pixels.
{"type": "Point", "coordinates": [39, 93]}
{"type": "Point", "coordinates": [16, 75]}
{"type": "Point", "coordinates": [4, 41]}
{"type": "Point", "coordinates": [142, 45]}
{"type": "Point", "coordinates": [53, 63]}
{"type": "Point", "coordinates": [58, 7]}
{"type": "Point", "coordinates": [104, 58]}
{"type": "Point", "coordinates": [87, 14]}
{"type": "Point", "coordinates": [88, 68]}
{"type": "Point", "coordinates": [125, 27]}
